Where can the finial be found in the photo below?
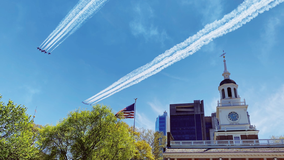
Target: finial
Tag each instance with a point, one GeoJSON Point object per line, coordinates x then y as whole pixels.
{"type": "Point", "coordinates": [226, 74]}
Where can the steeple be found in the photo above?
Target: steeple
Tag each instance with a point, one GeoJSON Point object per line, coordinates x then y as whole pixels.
{"type": "Point", "coordinates": [226, 73]}
{"type": "Point", "coordinates": [228, 87]}
{"type": "Point", "coordinates": [233, 119]}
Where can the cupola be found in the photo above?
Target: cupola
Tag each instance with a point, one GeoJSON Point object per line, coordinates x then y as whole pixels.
{"type": "Point", "coordinates": [228, 88]}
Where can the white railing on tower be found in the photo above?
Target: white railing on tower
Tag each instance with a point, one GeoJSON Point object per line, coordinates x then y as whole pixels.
{"type": "Point", "coordinates": [231, 103]}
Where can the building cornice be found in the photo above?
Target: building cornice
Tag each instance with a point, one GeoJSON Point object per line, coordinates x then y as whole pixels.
{"type": "Point", "coordinates": [225, 153]}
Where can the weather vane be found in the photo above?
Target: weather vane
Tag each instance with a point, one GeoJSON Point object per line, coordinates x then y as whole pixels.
{"type": "Point", "coordinates": [223, 54]}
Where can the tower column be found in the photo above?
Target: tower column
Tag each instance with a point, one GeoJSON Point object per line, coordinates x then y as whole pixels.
{"type": "Point", "coordinates": [233, 92]}
{"type": "Point", "coordinates": [226, 92]}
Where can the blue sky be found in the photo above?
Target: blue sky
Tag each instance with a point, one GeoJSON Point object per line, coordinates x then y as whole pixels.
{"type": "Point", "coordinates": [124, 35]}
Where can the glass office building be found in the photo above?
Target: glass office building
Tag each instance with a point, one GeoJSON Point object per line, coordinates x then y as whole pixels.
{"type": "Point", "coordinates": [161, 123]}
{"type": "Point", "coordinates": [187, 121]}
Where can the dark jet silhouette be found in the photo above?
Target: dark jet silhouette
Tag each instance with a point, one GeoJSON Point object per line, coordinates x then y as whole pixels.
{"type": "Point", "coordinates": [85, 103]}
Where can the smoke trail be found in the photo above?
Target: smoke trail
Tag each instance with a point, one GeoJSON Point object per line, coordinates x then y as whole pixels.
{"type": "Point", "coordinates": [65, 21]}
{"type": "Point", "coordinates": [230, 22]}
{"type": "Point", "coordinates": [75, 18]}
{"type": "Point", "coordinates": [71, 24]}
{"type": "Point", "coordinates": [92, 8]}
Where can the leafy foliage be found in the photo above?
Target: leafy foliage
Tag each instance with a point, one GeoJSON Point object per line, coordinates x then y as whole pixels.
{"type": "Point", "coordinates": [18, 134]}
{"type": "Point", "coordinates": [159, 144]}
{"type": "Point", "coordinates": [84, 134]}
{"type": "Point", "coordinates": [143, 150]}
{"type": "Point", "coordinates": [95, 134]}
{"type": "Point", "coordinates": [146, 135]}
{"type": "Point", "coordinates": [277, 137]}
{"type": "Point", "coordinates": [156, 140]}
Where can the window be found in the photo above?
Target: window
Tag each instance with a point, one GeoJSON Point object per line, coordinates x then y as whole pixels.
{"type": "Point", "coordinates": [237, 139]}
{"type": "Point", "coordinates": [235, 91]}
{"type": "Point", "coordinates": [229, 92]}
{"type": "Point", "coordinates": [223, 93]}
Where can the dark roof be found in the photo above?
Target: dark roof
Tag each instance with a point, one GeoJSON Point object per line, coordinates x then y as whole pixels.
{"type": "Point", "coordinates": [225, 81]}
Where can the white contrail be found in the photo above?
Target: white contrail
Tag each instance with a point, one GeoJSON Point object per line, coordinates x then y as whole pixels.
{"type": "Point", "coordinates": [65, 21]}
{"type": "Point", "coordinates": [66, 28]}
{"type": "Point", "coordinates": [79, 14]}
{"type": "Point", "coordinates": [87, 14]}
{"type": "Point", "coordinates": [241, 15]}
{"type": "Point", "coordinates": [77, 20]}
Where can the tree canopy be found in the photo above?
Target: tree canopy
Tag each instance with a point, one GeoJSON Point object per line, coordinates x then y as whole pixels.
{"type": "Point", "coordinates": [95, 134]}
{"type": "Point", "coordinates": [159, 144]}
{"type": "Point", "coordinates": [83, 134]}
{"type": "Point", "coordinates": [277, 137]}
{"type": "Point", "coordinates": [17, 133]}
{"type": "Point", "coordinates": [155, 140]}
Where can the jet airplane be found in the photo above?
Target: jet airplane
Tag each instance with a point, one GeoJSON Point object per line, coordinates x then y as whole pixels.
{"type": "Point", "coordinates": [84, 103]}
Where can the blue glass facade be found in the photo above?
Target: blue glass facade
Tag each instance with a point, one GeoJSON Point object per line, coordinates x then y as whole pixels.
{"type": "Point", "coordinates": [208, 125]}
{"type": "Point", "coordinates": [187, 121]}
{"type": "Point", "coordinates": [161, 123]}
{"type": "Point", "coordinates": [187, 127]}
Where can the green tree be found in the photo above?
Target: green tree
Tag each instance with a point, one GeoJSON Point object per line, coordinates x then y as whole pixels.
{"type": "Point", "coordinates": [95, 134]}
{"type": "Point", "coordinates": [18, 134]}
{"type": "Point", "coordinates": [55, 141]}
{"type": "Point", "coordinates": [143, 150]}
{"type": "Point", "coordinates": [159, 144]}
{"type": "Point", "coordinates": [277, 137]}
{"type": "Point", "coordinates": [156, 140]}
{"type": "Point", "coordinates": [146, 135]}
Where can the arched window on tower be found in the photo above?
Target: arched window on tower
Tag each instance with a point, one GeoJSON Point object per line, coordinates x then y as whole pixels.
{"type": "Point", "coordinates": [223, 93]}
{"type": "Point", "coordinates": [235, 91]}
{"type": "Point", "coordinates": [229, 92]}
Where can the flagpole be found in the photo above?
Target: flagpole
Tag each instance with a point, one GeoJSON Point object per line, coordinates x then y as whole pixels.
{"type": "Point", "coordinates": [34, 114]}
{"type": "Point", "coordinates": [134, 114]}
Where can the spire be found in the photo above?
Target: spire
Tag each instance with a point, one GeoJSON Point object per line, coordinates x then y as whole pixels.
{"type": "Point", "coordinates": [226, 73]}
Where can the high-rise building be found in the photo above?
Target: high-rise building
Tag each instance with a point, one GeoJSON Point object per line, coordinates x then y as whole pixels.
{"type": "Point", "coordinates": [187, 121]}
{"type": "Point", "coordinates": [161, 123]}
{"type": "Point", "coordinates": [208, 126]}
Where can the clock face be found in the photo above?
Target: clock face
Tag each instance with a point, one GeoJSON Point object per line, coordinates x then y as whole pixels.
{"type": "Point", "coordinates": [233, 116]}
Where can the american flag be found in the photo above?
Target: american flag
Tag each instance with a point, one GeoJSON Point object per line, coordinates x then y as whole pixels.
{"type": "Point", "coordinates": [128, 112]}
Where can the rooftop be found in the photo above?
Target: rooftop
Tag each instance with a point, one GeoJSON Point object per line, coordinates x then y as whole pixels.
{"type": "Point", "coordinates": [228, 144]}
{"type": "Point", "coordinates": [227, 150]}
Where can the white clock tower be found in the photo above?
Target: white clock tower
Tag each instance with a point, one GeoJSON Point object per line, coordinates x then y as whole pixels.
{"type": "Point", "coordinates": [231, 112]}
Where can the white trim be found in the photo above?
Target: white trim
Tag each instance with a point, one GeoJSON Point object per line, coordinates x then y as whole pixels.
{"type": "Point", "coordinates": [223, 155]}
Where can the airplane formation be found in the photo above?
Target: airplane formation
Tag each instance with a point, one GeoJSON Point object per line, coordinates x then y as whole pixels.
{"type": "Point", "coordinates": [42, 50]}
